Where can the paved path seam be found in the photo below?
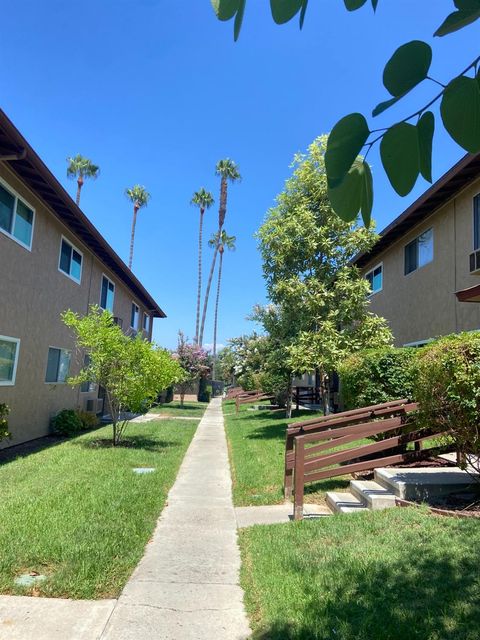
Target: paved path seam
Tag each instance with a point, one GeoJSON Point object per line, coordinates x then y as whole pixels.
{"type": "Point", "coordinates": [186, 587]}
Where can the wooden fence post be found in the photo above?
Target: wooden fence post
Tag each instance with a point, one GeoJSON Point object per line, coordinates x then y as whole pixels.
{"type": "Point", "coordinates": [299, 478]}
{"type": "Point", "coordinates": [288, 476]}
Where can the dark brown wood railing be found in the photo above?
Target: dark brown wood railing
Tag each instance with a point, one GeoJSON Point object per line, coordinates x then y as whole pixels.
{"type": "Point", "coordinates": [251, 397]}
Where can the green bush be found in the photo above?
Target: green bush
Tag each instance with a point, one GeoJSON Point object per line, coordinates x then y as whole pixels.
{"type": "Point", "coordinates": [374, 376]}
{"type": "Point", "coordinates": [447, 386]}
{"type": "Point", "coordinates": [204, 391]}
{"type": "Point", "coordinates": [89, 420]}
{"type": "Point", "coordinates": [4, 432]}
{"type": "Point", "coordinates": [67, 423]}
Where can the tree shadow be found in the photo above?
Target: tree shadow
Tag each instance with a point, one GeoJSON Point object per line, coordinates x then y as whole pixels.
{"type": "Point", "coordinates": [129, 442]}
{"type": "Point", "coordinates": [28, 448]}
{"type": "Point", "coordinates": [427, 594]}
{"type": "Point", "coordinates": [269, 432]}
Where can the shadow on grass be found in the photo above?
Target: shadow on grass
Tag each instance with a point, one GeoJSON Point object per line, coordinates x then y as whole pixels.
{"type": "Point", "coordinates": [129, 442]}
{"type": "Point", "coordinates": [28, 448]}
{"type": "Point", "coordinates": [428, 594]}
{"type": "Point", "coordinates": [332, 484]}
{"type": "Point", "coordinates": [276, 414]}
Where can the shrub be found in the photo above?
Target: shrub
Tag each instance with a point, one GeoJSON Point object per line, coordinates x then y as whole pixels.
{"type": "Point", "coordinates": [4, 432]}
{"type": "Point", "coordinates": [447, 387]}
{"type": "Point", "coordinates": [89, 420]}
{"type": "Point", "coordinates": [67, 423]}
{"type": "Point", "coordinates": [374, 376]}
{"type": "Point", "coordinates": [204, 391]}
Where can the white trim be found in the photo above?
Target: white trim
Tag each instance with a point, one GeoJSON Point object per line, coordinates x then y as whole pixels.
{"type": "Point", "coordinates": [70, 243]}
{"type": "Point", "coordinates": [11, 383]}
{"type": "Point", "coordinates": [138, 316]}
{"type": "Point", "coordinates": [114, 289]}
{"type": "Point", "coordinates": [17, 197]}
{"type": "Point", "coordinates": [372, 293]}
{"type": "Point", "coordinates": [418, 343]}
{"type": "Point", "coordinates": [51, 346]}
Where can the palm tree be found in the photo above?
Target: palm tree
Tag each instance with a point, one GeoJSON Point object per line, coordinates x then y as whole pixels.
{"type": "Point", "coordinates": [203, 200]}
{"type": "Point", "coordinates": [80, 168]}
{"type": "Point", "coordinates": [140, 197]}
{"type": "Point", "coordinates": [221, 241]}
{"type": "Point", "coordinates": [228, 172]}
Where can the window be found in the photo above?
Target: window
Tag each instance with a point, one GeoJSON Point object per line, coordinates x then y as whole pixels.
{"type": "Point", "coordinates": [107, 295]}
{"type": "Point", "coordinates": [16, 218]}
{"type": "Point", "coordinates": [58, 365]}
{"type": "Point", "coordinates": [9, 348]}
{"type": "Point", "coordinates": [419, 252]}
{"type": "Point", "coordinates": [476, 223]}
{"type": "Point", "coordinates": [87, 386]}
{"type": "Point", "coordinates": [134, 316]}
{"type": "Point", "coordinates": [375, 278]}
{"type": "Point", "coordinates": [146, 322]}
{"type": "Point", "coordinates": [70, 262]}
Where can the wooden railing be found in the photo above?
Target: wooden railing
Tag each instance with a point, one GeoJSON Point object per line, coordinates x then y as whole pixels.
{"type": "Point", "coordinates": [393, 425]}
{"type": "Point", "coordinates": [233, 393]}
{"type": "Point", "coordinates": [251, 397]}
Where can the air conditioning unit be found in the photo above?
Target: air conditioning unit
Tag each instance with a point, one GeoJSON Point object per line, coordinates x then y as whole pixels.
{"type": "Point", "coordinates": [90, 406]}
{"type": "Point", "coordinates": [475, 262]}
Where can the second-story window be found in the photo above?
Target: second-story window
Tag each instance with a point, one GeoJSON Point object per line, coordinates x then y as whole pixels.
{"type": "Point", "coordinates": [134, 316]}
{"type": "Point", "coordinates": [419, 252]}
{"type": "Point", "coordinates": [70, 261]}
{"type": "Point", "coordinates": [16, 218]}
{"type": "Point", "coordinates": [146, 322]}
{"type": "Point", "coordinates": [107, 294]}
{"type": "Point", "coordinates": [476, 223]}
{"type": "Point", "coordinates": [375, 278]}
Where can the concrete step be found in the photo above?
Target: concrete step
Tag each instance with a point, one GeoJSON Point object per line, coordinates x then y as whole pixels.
{"type": "Point", "coordinates": [372, 494]}
{"type": "Point", "coordinates": [344, 502]}
{"type": "Point", "coordinates": [425, 482]}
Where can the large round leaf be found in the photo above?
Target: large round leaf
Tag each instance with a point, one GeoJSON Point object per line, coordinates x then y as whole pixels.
{"type": "Point", "coordinates": [407, 67]}
{"type": "Point", "coordinates": [225, 9]}
{"type": "Point", "coordinates": [399, 153]}
{"type": "Point", "coordinates": [284, 10]}
{"type": "Point", "coordinates": [425, 129]}
{"type": "Point", "coordinates": [460, 110]}
{"type": "Point", "coordinates": [344, 144]}
{"type": "Point", "coordinates": [354, 193]}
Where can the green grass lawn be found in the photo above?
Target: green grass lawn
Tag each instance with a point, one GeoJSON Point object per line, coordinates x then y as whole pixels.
{"type": "Point", "coordinates": [190, 409]}
{"type": "Point", "coordinates": [77, 512]}
{"type": "Point", "coordinates": [398, 574]}
{"type": "Point", "coordinates": [256, 442]}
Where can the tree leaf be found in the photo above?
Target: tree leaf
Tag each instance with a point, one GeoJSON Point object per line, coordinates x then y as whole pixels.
{"type": "Point", "coordinates": [367, 194]}
{"type": "Point", "coordinates": [468, 12]}
{"type": "Point", "coordinates": [399, 153]}
{"type": "Point", "coordinates": [303, 12]}
{"type": "Point", "coordinates": [284, 10]}
{"type": "Point", "coordinates": [354, 193]}
{"type": "Point", "coordinates": [407, 67]}
{"type": "Point", "coordinates": [353, 5]}
{"type": "Point", "coordinates": [374, 4]}
{"type": "Point", "coordinates": [425, 129]}
{"type": "Point", "coordinates": [383, 106]}
{"type": "Point", "coordinates": [344, 144]}
{"type": "Point", "coordinates": [460, 111]}
{"type": "Point", "coordinates": [225, 9]}
{"type": "Point", "coordinates": [239, 19]}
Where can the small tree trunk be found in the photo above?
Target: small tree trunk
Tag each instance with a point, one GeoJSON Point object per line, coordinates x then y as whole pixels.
{"type": "Point", "coordinates": [199, 288]}
{"type": "Point", "coordinates": [289, 398]}
{"type": "Point", "coordinates": [79, 189]}
{"type": "Point", "coordinates": [216, 314]}
{"type": "Point", "coordinates": [207, 294]}
{"type": "Point", "coordinates": [132, 236]}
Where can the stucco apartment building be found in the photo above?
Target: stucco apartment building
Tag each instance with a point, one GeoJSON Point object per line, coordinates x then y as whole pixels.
{"type": "Point", "coordinates": [51, 259]}
{"type": "Point", "coordinates": [425, 269]}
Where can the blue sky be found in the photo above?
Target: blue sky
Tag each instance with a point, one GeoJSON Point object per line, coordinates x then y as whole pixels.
{"type": "Point", "coordinates": [155, 92]}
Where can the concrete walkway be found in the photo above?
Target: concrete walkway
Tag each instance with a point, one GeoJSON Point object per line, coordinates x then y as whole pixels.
{"type": "Point", "coordinates": [186, 586]}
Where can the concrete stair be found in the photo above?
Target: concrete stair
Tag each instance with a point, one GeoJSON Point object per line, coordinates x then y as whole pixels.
{"type": "Point", "coordinates": [363, 495]}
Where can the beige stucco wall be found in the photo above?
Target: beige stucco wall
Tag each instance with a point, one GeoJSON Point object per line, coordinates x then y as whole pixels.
{"type": "Point", "coordinates": [422, 304]}
{"type": "Point", "coordinates": [33, 293]}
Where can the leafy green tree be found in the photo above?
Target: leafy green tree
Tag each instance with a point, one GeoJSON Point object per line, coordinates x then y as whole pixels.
{"type": "Point", "coordinates": [132, 371]}
{"type": "Point", "coordinates": [202, 199]}
{"type": "Point", "coordinates": [139, 196]}
{"type": "Point", "coordinates": [4, 432]}
{"type": "Point", "coordinates": [228, 172]}
{"type": "Point", "coordinates": [405, 145]}
{"type": "Point", "coordinates": [321, 300]}
{"type": "Point", "coordinates": [222, 241]}
{"type": "Point", "coordinates": [81, 168]}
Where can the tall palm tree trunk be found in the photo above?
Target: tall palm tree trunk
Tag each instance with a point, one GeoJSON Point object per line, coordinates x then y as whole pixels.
{"type": "Point", "coordinates": [132, 237]}
{"type": "Point", "coordinates": [222, 209]}
{"type": "Point", "coordinates": [79, 189]}
{"type": "Point", "coordinates": [207, 294]}
{"type": "Point", "coordinates": [199, 292]}
{"type": "Point", "coordinates": [220, 264]}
